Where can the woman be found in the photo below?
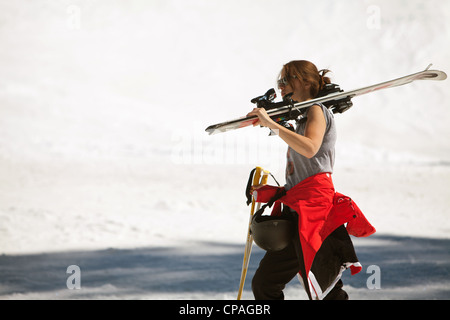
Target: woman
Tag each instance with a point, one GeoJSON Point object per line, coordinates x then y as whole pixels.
{"type": "Point", "coordinates": [318, 255]}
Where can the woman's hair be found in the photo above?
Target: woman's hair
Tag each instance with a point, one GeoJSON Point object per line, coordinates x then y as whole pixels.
{"type": "Point", "coordinates": [307, 72]}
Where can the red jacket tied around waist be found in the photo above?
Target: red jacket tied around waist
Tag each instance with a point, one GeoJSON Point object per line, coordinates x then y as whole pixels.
{"type": "Point", "coordinates": [320, 211]}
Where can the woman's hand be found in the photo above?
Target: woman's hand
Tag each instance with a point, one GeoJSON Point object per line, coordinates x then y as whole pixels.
{"type": "Point", "coordinates": [263, 118]}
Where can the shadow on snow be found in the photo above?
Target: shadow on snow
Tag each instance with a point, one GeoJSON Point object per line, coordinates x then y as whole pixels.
{"type": "Point", "coordinates": [214, 267]}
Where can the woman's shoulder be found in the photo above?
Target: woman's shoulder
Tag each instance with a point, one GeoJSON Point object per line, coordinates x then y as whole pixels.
{"type": "Point", "coordinates": [329, 117]}
{"type": "Point", "coordinates": [319, 106]}
{"type": "Point", "coordinates": [328, 114]}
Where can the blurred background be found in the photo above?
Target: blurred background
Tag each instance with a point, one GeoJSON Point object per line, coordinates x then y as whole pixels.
{"type": "Point", "coordinates": [103, 107]}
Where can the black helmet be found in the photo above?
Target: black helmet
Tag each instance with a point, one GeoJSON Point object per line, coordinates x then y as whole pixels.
{"type": "Point", "coordinates": [272, 233]}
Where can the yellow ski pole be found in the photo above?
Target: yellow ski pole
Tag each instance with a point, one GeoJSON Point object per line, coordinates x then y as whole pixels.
{"type": "Point", "coordinates": [257, 179]}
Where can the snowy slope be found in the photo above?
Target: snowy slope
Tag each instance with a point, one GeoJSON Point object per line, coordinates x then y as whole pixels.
{"type": "Point", "coordinates": [103, 106]}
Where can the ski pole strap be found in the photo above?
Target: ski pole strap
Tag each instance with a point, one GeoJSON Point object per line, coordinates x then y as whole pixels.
{"type": "Point", "coordinates": [274, 179]}
{"type": "Point", "coordinates": [249, 186]}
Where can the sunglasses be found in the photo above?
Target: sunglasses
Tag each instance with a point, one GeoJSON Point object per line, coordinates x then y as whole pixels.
{"type": "Point", "coordinates": [283, 82]}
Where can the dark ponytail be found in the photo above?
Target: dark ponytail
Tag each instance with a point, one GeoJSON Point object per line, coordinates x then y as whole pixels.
{"type": "Point", "coordinates": [323, 80]}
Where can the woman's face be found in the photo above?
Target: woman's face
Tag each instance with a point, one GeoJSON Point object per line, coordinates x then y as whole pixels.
{"type": "Point", "coordinates": [291, 84]}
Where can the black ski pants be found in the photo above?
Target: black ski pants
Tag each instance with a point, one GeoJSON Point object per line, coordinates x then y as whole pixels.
{"type": "Point", "coordinates": [276, 269]}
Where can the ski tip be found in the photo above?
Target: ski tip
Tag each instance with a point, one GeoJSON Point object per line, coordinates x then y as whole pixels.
{"type": "Point", "coordinates": [431, 75]}
{"type": "Point", "coordinates": [436, 75]}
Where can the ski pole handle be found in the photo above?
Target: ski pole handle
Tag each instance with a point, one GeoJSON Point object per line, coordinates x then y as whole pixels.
{"type": "Point", "coordinates": [265, 177]}
{"type": "Point", "coordinates": [257, 176]}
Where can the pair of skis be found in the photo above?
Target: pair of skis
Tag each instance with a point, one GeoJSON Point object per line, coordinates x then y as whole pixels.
{"type": "Point", "coordinates": [333, 101]}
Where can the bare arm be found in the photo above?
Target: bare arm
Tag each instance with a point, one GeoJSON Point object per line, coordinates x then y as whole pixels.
{"type": "Point", "coordinates": [307, 145]}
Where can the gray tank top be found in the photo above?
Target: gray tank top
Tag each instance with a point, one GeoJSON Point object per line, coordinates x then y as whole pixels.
{"type": "Point", "coordinates": [299, 167]}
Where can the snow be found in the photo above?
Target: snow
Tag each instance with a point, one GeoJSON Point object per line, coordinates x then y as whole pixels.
{"type": "Point", "coordinates": [104, 162]}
